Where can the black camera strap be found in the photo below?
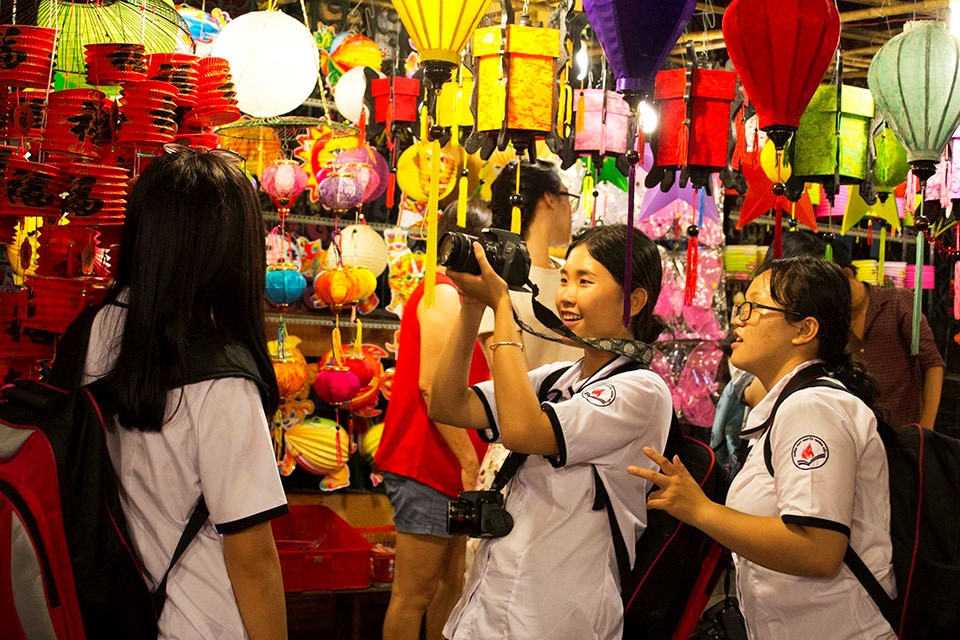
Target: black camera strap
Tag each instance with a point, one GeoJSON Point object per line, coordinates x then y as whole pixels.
{"type": "Point", "coordinates": [633, 349]}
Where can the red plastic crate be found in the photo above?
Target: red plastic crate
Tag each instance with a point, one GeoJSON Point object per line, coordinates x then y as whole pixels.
{"type": "Point", "coordinates": [320, 551]}
{"type": "Point", "coordinates": [383, 554]}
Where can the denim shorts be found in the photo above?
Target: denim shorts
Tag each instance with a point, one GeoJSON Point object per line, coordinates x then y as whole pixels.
{"type": "Point", "coordinates": [417, 508]}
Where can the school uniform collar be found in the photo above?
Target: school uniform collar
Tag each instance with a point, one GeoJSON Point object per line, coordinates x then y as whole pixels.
{"type": "Point", "coordinates": [759, 414]}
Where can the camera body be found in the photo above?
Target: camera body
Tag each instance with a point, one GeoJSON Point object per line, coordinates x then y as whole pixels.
{"type": "Point", "coordinates": [506, 252]}
{"type": "Point", "coordinates": [479, 514]}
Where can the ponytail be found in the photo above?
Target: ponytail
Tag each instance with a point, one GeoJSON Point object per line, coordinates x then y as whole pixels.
{"type": "Point", "coordinates": [856, 379]}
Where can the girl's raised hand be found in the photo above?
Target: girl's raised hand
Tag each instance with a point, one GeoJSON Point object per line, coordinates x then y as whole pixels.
{"type": "Point", "coordinates": [678, 493]}
{"type": "Point", "coordinates": [487, 288]}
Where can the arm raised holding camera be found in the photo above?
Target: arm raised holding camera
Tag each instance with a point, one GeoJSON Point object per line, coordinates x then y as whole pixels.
{"type": "Point", "coordinates": [524, 427]}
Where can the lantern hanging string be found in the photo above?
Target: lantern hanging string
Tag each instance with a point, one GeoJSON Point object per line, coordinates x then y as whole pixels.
{"type": "Point", "coordinates": [430, 274]}
{"type": "Point", "coordinates": [917, 287]}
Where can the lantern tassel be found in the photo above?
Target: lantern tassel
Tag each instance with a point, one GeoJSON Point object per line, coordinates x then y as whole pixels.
{"type": "Point", "coordinates": [462, 195]}
{"type": "Point", "coordinates": [515, 211]}
{"type": "Point", "coordinates": [581, 108]}
{"type": "Point", "coordinates": [628, 263]}
{"type": "Point", "coordinates": [882, 254]}
{"type": "Point", "coordinates": [358, 343]}
{"type": "Point", "coordinates": [740, 145]}
{"type": "Point", "coordinates": [430, 274]}
{"type": "Point", "coordinates": [917, 293]}
{"type": "Point", "coordinates": [683, 143]}
{"type": "Point", "coordinates": [337, 344]}
{"type": "Point", "coordinates": [693, 269]}
{"type": "Point", "coordinates": [870, 233]}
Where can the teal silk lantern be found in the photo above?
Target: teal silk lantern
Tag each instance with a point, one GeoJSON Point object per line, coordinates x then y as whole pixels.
{"type": "Point", "coordinates": [833, 136]}
{"type": "Point", "coordinates": [285, 284]}
{"type": "Point", "coordinates": [913, 80]}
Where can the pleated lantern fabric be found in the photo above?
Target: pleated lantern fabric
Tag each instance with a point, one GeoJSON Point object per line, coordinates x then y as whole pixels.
{"type": "Point", "coordinates": [781, 51]}
{"type": "Point", "coordinates": [637, 36]}
{"type": "Point", "coordinates": [914, 81]}
{"type": "Point", "coordinates": [822, 149]}
{"type": "Point", "coordinates": [440, 28]}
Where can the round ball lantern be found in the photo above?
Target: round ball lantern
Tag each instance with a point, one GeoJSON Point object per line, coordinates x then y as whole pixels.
{"type": "Point", "coordinates": [317, 445]}
{"type": "Point", "coordinates": [291, 376]}
{"type": "Point", "coordinates": [340, 191]}
{"type": "Point", "coordinates": [336, 385]}
{"type": "Point", "coordinates": [342, 286]}
{"type": "Point", "coordinates": [349, 92]}
{"type": "Point", "coordinates": [284, 181]}
{"type": "Point", "coordinates": [274, 61]}
{"type": "Point", "coordinates": [361, 367]}
{"type": "Point", "coordinates": [360, 246]}
{"type": "Point", "coordinates": [285, 284]}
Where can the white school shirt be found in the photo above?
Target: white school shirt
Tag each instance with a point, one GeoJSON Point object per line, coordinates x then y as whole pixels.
{"type": "Point", "coordinates": [555, 575]}
{"type": "Point", "coordinates": [831, 472]}
{"type": "Point", "coordinates": [218, 442]}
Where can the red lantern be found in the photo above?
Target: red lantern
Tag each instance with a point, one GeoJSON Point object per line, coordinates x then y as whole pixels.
{"type": "Point", "coordinates": [781, 51]}
{"type": "Point", "coordinates": [395, 99]}
{"type": "Point", "coordinates": [694, 118]}
{"type": "Point", "coordinates": [336, 385]}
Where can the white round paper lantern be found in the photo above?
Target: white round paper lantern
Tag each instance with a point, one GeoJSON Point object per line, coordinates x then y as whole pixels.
{"type": "Point", "coordinates": [361, 246]}
{"type": "Point", "coordinates": [274, 61]}
{"type": "Point", "coordinates": [349, 93]}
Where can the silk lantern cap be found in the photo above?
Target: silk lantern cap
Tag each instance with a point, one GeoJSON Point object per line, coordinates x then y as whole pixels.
{"type": "Point", "coordinates": [274, 60]}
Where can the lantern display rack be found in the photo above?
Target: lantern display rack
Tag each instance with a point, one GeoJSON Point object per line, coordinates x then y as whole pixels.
{"type": "Point", "coordinates": [329, 321]}
{"type": "Point", "coordinates": [321, 220]}
{"type": "Point", "coordinates": [907, 236]}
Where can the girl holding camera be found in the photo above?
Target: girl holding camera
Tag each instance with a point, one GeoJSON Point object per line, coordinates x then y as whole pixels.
{"type": "Point", "coordinates": [555, 574]}
{"type": "Point", "coordinates": [790, 521]}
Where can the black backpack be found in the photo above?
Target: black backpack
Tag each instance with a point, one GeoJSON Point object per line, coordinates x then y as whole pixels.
{"type": "Point", "coordinates": [57, 484]}
{"type": "Point", "coordinates": [677, 566]}
{"type": "Point", "coordinates": [924, 471]}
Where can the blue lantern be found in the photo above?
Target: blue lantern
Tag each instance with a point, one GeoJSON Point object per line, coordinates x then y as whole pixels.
{"type": "Point", "coordinates": [285, 284]}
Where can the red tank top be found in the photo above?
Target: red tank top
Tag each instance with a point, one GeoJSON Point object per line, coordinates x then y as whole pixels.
{"type": "Point", "coordinates": [411, 445]}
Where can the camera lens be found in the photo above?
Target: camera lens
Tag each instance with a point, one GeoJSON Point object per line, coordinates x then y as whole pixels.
{"type": "Point", "coordinates": [455, 252]}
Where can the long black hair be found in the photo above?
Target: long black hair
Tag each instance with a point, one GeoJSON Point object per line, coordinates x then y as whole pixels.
{"type": "Point", "coordinates": [191, 271]}
{"type": "Point", "coordinates": [814, 288]}
{"type": "Point", "coordinates": [536, 180]}
{"type": "Point", "coordinates": [607, 244]}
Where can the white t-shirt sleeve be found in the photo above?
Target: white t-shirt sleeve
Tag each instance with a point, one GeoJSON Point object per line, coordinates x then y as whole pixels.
{"type": "Point", "coordinates": [238, 471]}
{"type": "Point", "coordinates": [815, 453]}
{"type": "Point", "coordinates": [484, 391]}
{"type": "Point", "coordinates": [596, 423]}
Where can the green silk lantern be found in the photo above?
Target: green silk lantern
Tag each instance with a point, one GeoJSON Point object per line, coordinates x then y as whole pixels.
{"type": "Point", "coordinates": [833, 142]}
{"type": "Point", "coordinates": [913, 80]}
{"type": "Point", "coordinates": [891, 168]}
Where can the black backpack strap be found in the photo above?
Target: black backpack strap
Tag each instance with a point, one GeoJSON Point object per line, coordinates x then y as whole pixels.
{"type": "Point", "coordinates": [197, 519]}
{"type": "Point", "coordinates": [885, 603]}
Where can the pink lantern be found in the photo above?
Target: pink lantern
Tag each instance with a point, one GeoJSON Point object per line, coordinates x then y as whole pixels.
{"type": "Point", "coordinates": [603, 124]}
{"type": "Point", "coordinates": [284, 181]}
{"type": "Point", "coordinates": [336, 385]}
{"type": "Point", "coordinates": [339, 191]}
{"type": "Point", "coordinates": [368, 166]}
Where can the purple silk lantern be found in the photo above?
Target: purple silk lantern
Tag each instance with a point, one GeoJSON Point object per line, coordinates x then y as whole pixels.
{"type": "Point", "coordinates": [636, 36]}
{"type": "Point", "coordinates": [340, 191]}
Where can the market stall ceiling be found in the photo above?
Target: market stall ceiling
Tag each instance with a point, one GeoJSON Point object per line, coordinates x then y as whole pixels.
{"type": "Point", "coordinates": [867, 25]}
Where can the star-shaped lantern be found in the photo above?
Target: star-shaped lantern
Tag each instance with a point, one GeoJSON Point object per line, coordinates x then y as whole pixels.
{"type": "Point", "coordinates": [762, 197]}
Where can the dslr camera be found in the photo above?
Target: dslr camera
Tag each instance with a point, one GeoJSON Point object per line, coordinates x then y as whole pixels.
{"type": "Point", "coordinates": [505, 252]}
{"type": "Point", "coordinates": [478, 514]}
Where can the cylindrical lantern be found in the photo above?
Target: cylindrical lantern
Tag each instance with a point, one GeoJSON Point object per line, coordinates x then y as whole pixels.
{"type": "Point", "coordinates": [694, 117]}
{"type": "Point", "coordinates": [274, 60]}
{"type": "Point", "coordinates": [360, 245]}
{"type": "Point", "coordinates": [781, 51]}
{"type": "Point", "coordinates": [285, 284]}
{"type": "Point", "coordinates": [523, 57]}
{"type": "Point", "coordinates": [819, 151]}
{"type": "Point", "coordinates": [395, 99]}
{"type": "Point", "coordinates": [605, 120]}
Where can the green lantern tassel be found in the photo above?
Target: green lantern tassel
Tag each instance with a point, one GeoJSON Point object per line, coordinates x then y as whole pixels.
{"type": "Point", "coordinates": [882, 258]}
{"type": "Point", "coordinates": [917, 295]}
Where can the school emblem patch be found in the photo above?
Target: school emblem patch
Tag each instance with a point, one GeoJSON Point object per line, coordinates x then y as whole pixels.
{"type": "Point", "coordinates": [810, 452]}
{"type": "Point", "coordinates": [601, 396]}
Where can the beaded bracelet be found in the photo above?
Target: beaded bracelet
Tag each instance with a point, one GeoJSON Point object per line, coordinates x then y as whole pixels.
{"type": "Point", "coordinates": [493, 346]}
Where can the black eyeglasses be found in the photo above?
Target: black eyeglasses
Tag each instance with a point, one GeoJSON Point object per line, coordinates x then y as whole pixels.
{"type": "Point", "coordinates": [744, 310]}
{"type": "Point", "coordinates": [230, 156]}
{"type": "Point", "coordinates": [574, 200]}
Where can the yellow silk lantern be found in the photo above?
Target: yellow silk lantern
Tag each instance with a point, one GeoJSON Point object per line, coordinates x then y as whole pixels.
{"type": "Point", "coordinates": [515, 77]}
{"type": "Point", "coordinates": [440, 29]}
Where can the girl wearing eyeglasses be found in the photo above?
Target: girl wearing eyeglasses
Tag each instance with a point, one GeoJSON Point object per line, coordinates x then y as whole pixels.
{"type": "Point", "coordinates": [555, 574]}
{"type": "Point", "coordinates": [791, 513]}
